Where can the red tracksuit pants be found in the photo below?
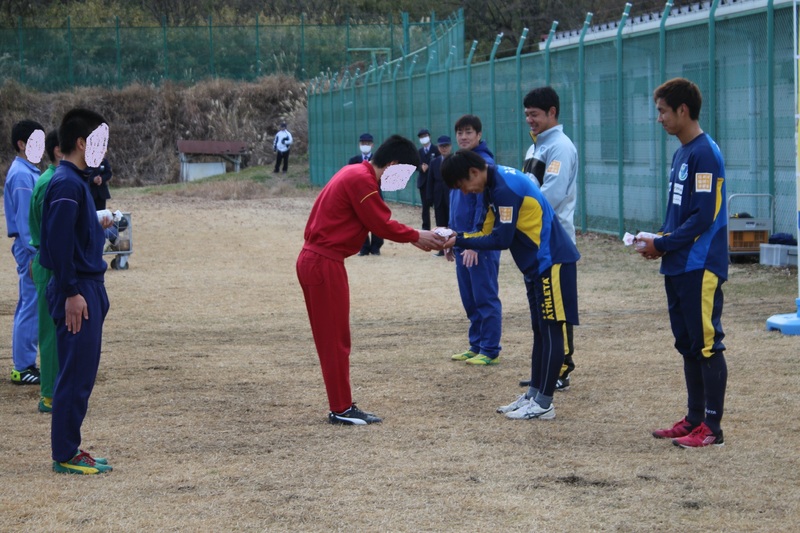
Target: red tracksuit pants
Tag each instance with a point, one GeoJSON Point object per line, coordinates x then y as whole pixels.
{"type": "Point", "coordinates": [327, 294]}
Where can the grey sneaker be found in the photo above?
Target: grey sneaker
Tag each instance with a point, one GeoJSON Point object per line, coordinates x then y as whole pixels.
{"type": "Point", "coordinates": [532, 410]}
{"type": "Point", "coordinates": [513, 406]}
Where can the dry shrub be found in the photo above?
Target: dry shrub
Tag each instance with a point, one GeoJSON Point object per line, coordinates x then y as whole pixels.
{"type": "Point", "coordinates": [147, 121]}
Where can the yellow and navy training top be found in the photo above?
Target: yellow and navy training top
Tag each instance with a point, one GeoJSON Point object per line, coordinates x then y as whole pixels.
{"type": "Point", "coordinates": [519, 219]}
{"type": "Point", "coordinates": [695, 230]}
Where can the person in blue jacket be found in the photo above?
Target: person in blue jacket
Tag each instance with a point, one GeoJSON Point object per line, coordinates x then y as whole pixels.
{"type": "Point", "coordinates": [476, 270]}
{"type": "Point", "coordinates": [27, 138]}
{"type": "Point", "coordinates": [519, 219]}
{"type": "Point", "coordinates": [693, 247]}
{"type": "Point", "coordinates": [71, 245]}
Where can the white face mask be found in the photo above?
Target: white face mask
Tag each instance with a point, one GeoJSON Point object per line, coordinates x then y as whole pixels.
{"type": "Point", "coordinates": [96, 144]}
{"type": "Point", "coordinates": [365, 148]}
{"type": "Point", "coordinates": [34, 147]}
{"type": "Point", "coordinates": [424, 140]}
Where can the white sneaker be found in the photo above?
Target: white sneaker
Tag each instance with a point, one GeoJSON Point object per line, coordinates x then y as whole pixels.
{"type": "Point", "coordinates": [521, 401]}
{"type": "Point", "coordinates": [532, 410]}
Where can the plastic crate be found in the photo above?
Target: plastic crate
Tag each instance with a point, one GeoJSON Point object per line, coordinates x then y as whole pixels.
{"type": "Point", "coordinates": [747, 240]}
{"type": "Point", "coordinates": [778, 255]}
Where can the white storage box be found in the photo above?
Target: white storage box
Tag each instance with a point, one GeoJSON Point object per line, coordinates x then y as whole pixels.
{"type": "Point", "coordinates": [778, 255]}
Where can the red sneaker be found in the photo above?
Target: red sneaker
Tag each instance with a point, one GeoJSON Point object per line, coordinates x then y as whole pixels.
{"type": "Point", "coordinates": [680, 429]}
{"type": "Point", "coordinates": [700, 437]}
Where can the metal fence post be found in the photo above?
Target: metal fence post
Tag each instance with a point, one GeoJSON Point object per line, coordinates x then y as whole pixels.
{"type": "Point", "coordinates": [411, 108]}
{"type": "Point", "coordinates": [119, 67]}
{"type": "Point", "coordinates": [211, 46]}
{"type": "Point", "coordinates": [621, 121]}
{"type": "Point", "coordinates": [492, 94]}
{"type": "Point", "coordinates": [69, 54]}
{"type": "Point", "coordinates": [547, 52]}
{"type": "Point", "coordinates": [366, 97]}
{"type": "Point", "coordinates": [303, 45]}
{"type": "Point", "coordinates": [258, 49]}
{"type": "Point", "coordinates": [448, 62]}
{"type": "Point", "coordinates": [469, 75]}
{"type": "Point", "coordinates": [355, 110]}
{"type": "Point", "coordinates": [381, 134]}
{"type": "Point", "coordinates": [331, 122]}
{"type": "Point", "coordinates": [164, 36]}
{"type": "Point", "coordinates": [662, 70]}
{"type": "Point", "coordinates": [712, 71]}
{"type": "Point", "coordinates": [582, 121]}
{"type": "Point", "coordinates": [518, 60]}
{"type": "Point", "coordinates": [21, 45]}
{"type": "Point", "coordinates": [431, 56]}
{"type": "Point", "coordinates": [771, 100]}
{"type": "Point", "coordinates": [394, 94]}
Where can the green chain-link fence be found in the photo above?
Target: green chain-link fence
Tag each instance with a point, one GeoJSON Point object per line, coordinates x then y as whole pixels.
{"type": "Point", "coordinates": [605, 76]}
{"type": "Point", "coordinates": [48, 59]}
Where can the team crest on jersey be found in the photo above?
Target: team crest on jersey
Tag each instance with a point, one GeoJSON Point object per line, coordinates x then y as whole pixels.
{"type": "Point", "coordinates": [683, 173]}
{"type": "Point", "coordinates": [554, 167]}
{"type": "Point", "coordinates": [702, 182]}
{"type": "Point", "coordinates": [506, 214]}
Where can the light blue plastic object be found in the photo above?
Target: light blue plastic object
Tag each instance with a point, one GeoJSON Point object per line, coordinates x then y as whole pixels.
{"type": "Point", "coordinates": [788, 324]}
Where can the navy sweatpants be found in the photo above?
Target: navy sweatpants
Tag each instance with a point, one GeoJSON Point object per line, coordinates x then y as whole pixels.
{"type": "Point", "coordinates": [78, 359]}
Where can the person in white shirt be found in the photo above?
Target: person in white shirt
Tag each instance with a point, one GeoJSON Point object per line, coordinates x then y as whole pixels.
{"type": "Point", "coordinates": [281, 146]}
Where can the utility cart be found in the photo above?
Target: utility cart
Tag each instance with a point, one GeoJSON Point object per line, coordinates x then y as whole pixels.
{"type": "Point", "coordinates": [119, 242]}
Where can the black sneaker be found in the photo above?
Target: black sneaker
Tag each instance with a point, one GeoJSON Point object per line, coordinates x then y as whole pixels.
{"type": "Point", "coordinates": [353, 417]}
{"type": "Point", "coordinates": [561, 384]}
{"type": "Point", "coordinates": [29, 376]}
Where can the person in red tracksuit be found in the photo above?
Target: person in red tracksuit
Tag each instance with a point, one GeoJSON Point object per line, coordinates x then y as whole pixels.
{"type": "Point", "coordinates": [347, 208]}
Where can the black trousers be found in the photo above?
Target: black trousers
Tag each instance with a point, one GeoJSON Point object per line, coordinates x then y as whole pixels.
{"type": "Point", "coordinates": [426, 209]}
{"type": "Point", "coordinates": [282, 156]}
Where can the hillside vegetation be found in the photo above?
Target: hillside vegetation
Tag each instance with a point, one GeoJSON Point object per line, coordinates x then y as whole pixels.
{"type": "Point", "coordinates": [146, 121]}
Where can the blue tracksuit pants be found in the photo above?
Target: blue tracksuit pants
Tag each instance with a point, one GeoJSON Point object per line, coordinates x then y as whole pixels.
{"type": "Point", "coordinates": [25, 333]}
{"type": "Point", "coordinates": [478, 287]}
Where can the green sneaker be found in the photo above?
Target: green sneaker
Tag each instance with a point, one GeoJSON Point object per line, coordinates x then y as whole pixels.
{"type": "Point", "coordinates": [82, 463]}
{"type": "Point", "coordinates": [483, 360]}
{"type": "Point", "coordinates": [463, 356]}
{"type": "Point", "coordinates": [45, 404]}
{"type": "Point", "coordinates": [29, 376]}
{"type": "Point", "coordinates": [98, 460]}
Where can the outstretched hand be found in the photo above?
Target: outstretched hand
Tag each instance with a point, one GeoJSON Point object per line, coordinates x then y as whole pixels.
{"type": "Point", "coordinates": [428, 241]}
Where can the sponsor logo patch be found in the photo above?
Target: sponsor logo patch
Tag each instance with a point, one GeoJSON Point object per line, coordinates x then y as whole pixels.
{"type": "Point", "coordinates": [554, 167]}
{"type": "Point", "coordinates": [506, 214]}
{"type": "Point", "coordinates": [702, 182]}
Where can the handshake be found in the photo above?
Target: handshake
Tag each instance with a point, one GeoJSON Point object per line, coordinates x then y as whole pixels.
{"type": "Point", "coordinates": [437, 239]}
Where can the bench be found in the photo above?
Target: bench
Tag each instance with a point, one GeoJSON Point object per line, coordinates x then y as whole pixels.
{"type": "Point", "coordinates": [228, 150]}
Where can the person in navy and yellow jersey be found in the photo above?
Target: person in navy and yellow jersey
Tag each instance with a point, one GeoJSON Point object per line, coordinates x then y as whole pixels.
{"type": "Point", "coordinates": [693, 247]}
{"type": "Point", "coordinates": [519, 219]}
{"type": "Point", "coordinates": [553, 162]}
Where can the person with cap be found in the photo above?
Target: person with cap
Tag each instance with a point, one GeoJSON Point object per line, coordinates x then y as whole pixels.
{"type": "Point", "coordinates": [426, 154]}
{"type": "Point", "coordinates": [281, 146]}
{"type": "Point", "coordinates": [372, 244]}
{"type": "Point", "coordinates": [438, 191]}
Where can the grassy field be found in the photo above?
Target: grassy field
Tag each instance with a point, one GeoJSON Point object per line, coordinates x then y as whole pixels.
{"type": "Point", "coordinates": [211, 407]}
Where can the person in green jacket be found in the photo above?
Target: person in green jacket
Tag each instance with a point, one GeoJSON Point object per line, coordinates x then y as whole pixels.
{"type": "Point", "coordinates": [48, 356]}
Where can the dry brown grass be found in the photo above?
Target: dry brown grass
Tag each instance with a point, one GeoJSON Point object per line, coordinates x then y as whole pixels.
{"type": "Point", "coordinates": [211, 407]}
